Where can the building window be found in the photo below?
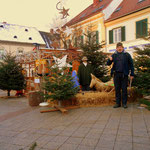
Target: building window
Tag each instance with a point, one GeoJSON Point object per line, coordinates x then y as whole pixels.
{"type": "Point", "coordinates": [117, 35]}
{"type": "Point", "coordinates": [95, 35]}
{"type": "Point", "coordinates": [2, 52]}
{"type": "Point", "coordinates": [20, 51]}
{"type": "Point", "coordinates": [140, 1]}
{"type": "Point", "coordinates": [82, 39]}
{"type": "Point", "coordinates": [118, 9]}
{"type": "Point", "coordinates": [15, 37]}
{"type": "Point", "coordinates": [68, 43]}
{"type": "Point", "coordinates": [78, 41]}
{"type": "Point", "coordinates": [97, 8]}
{"type": "Point", "coordinates": [83, 15]}
{"type": "Point", "coordinates": [141, 28]}
{"type": "Point", "coordinates": [26, 30]}
{"type": "Point", "coordinates": [1, 26]}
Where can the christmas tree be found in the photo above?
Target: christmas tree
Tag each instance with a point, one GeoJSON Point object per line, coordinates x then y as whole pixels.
{"type": "Point", "coordinates": [93, 50]}
{"type": "Point", "coordinates": [142, 69]}
{"type": "Point", "coordinates": [11, 76]}
{"type": "Point", "coordinates": [59, 85]}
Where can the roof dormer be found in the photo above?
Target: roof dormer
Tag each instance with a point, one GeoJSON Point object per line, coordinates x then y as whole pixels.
{"type": "Point", "coordinates": [95, 2]}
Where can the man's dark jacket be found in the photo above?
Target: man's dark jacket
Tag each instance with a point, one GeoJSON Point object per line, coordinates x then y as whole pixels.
{"type": "Point", "coordinates": [84, 74]}
{"type": "Point", "coordinates": [127, 63]}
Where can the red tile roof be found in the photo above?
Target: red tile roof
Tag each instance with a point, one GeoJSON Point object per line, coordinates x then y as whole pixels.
{"type": "Point", "coordinates": [89, 11]}
{"type": "Point", "coordinates": [128, 7]}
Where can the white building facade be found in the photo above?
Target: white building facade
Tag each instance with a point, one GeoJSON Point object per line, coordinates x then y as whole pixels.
{"type": "Point", "coordinates": [18, 39]}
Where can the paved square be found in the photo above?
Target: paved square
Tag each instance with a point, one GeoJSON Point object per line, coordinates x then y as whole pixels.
{"type": "Point", "coordinates": [94, 128]}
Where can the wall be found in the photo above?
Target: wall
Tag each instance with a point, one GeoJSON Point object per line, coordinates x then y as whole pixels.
{"type": "Point", "coordinates": [13, 46]}
{"type": "Point", "coordinates": [97, 22]}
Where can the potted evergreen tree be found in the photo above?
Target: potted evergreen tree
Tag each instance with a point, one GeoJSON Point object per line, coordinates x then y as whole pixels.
{"type": "Point", "coordinates": [59, 85]}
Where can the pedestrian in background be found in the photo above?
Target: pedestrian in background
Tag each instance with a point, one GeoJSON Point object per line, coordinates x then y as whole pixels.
{"type": "Point", "coordinates": [84, 74]}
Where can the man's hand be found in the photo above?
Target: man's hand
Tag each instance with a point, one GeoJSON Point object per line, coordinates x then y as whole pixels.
{"type": "Point", "coordinates": [110, 57]}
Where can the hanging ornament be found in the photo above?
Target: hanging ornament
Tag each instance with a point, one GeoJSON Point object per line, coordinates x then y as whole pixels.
{"type": "Point", "coordinates": [63, 11]}
{"type": "Point", "coordinates": [58, 22]}
{"type": "Point", "coordinates": [68, 31]}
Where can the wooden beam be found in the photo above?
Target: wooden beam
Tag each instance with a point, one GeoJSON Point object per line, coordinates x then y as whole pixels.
{"type": "Point", "coordinates": [72, 107]}
{"type": "Point", "coordinates": [50, 110]}
{"type": "Point", "coordinates": [63, 110]}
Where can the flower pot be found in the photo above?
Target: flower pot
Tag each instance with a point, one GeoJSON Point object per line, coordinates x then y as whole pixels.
{"type": "Point", "coordinates": [35, 98]}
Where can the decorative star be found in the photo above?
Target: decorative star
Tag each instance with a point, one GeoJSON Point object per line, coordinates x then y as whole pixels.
{"type": "Point", "coordinates": [68, 31]}
{"type": "Point", "coordinates": [64, 12]}
{"type": "Point", "coordinates": [58, 22]}
{"type": "Point", "coordinates": [61, 62]}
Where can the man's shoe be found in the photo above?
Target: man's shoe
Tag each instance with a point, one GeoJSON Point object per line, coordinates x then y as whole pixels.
{"type": "Point", "coordinates": [116, 106]}
{"type": "Point", "coordinates": [125, 106]}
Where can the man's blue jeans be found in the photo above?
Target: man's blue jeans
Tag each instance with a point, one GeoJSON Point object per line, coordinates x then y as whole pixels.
{"type": "Point", "coordinates": [121, 83]}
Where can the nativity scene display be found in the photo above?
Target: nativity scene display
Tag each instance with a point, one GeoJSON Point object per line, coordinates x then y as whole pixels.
{"type": "Point", "coordinates": [61, 88]}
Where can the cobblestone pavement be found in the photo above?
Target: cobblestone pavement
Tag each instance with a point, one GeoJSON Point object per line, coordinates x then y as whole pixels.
{"type": "Point", "coordinates": [95, 128]}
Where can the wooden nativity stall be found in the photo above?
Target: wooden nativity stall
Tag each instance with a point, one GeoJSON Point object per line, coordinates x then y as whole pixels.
{"type": "Point", "coordinates": [36, 62]}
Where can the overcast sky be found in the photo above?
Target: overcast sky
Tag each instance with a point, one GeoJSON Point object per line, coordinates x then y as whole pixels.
{"type": "Point", "coordinates": [37, 13]}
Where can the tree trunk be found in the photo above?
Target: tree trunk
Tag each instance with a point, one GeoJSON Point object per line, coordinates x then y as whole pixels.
{"type": "Point", "coordinates": [8, 92]}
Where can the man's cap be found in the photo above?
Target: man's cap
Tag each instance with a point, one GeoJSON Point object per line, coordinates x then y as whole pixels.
{"type": "Point", "coordinates": [119, 44]}
{"type": "Point", "coordinates": [84, 58]}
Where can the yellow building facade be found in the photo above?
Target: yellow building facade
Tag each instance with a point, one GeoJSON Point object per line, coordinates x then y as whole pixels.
{"type": "Point", "coordinates": [129, 30]}
{"type": "Point", "coordinates": [93, 18]}
{"type": "Point", "coordinates": [115, 21]}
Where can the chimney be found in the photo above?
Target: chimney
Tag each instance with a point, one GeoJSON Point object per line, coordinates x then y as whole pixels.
{"type": "Point", "coordinates": [95, 2]}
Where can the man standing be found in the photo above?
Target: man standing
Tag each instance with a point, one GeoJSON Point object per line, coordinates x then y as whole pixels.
{"type": "Point", "coordinates": [84, 74]}
{"type": "Point", "coordinates": [122, 65]}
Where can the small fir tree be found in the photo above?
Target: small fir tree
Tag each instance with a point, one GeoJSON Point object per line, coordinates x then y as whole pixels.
{"type": "Point", "coordinates": [142, 69]}
{"type": "Point", "coordinates": [11, 76]}
{"type": "Point", "coordinates": [59, 85]}
{"type": "Point", "coordinates": [92, 49]}
{"type": "Point", "coordinates": [142, 66]}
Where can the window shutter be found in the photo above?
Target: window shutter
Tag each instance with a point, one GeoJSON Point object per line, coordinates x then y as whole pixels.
{"type": "Point", "coordinates": [82, 39]}
{"type": "Point", "coordinates": [97, 38]}
{"type": "Point", "coordinates": [138, 29]}
{"type": "Point", "coordinates": [110, 36]}
{"type": "Point", "coordinates": [144, 27]}
{"type": "Point", "coordinates": [123, 37]}
{"type": "Point", "coordinates": [141, 28]}
{"type": "Point", "coordinates": [75, 41]}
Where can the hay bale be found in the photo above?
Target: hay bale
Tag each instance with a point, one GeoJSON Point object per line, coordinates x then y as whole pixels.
{"type": "Point", "coordinates": [87, 99]}
{"type": "Point", "coordinates": [93, 99]}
